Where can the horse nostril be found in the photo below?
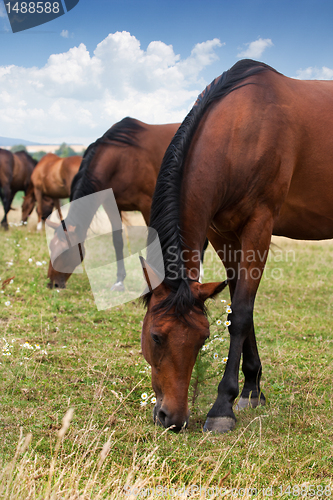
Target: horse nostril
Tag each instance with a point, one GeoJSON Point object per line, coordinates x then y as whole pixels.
{"type": "Point", "coordinates": [161, 418]}
{"type": "Point", "coordinates": [56, 285]}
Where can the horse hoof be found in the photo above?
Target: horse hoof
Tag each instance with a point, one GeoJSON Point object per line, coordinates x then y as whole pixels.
{"type": "Point", "coordinates": [249, 403]}
{"type": "Point", "coordinates": [219, 424]}
{"type": "Point", "coordinates": [39, 226]}
{"type": "Point", "coordinates": [118, 287]}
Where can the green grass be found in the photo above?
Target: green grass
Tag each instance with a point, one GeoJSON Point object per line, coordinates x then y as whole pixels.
{"type": "Point", "coordinates": [91, 361]}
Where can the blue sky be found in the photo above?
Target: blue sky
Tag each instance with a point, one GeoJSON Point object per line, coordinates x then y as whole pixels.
{"type": "Point", "coordinates": [72, 78]}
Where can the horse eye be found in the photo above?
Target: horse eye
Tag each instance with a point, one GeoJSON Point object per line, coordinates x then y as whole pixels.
{"type": "Point", "coordinates": [156, 338]}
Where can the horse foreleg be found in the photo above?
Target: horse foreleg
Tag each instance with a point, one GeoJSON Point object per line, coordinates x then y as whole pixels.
{"type": "Point", "coordinates": [201, 273]}
{"type": "Point", "coordinates": [247, 272]}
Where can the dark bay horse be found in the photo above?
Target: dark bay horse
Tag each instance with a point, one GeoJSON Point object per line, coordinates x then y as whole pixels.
{"type": "Point", "coordinates": [127, 158]}
{"type": "Point", "coordinates": [15, 173]}
{"type": "Point", "coordinates": [254, 157]}
{"type": "Point", "coordinates": [51, 179]}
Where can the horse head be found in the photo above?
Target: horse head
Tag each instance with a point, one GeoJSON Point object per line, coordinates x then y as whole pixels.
{"type": "Point", "coordinates": [29, 202]}
{"type": "Point", "coordinates": [47, 207]}
{"type": "Point", "coordinates": [170, 344]}
{"type": "Point", "coordinates": [66, 254]}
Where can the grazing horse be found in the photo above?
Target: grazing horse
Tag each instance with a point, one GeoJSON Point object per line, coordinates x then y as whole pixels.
{"type": "Point", "coordinates": [15, 173]}
{"type": "Point", "coordinates": [127, 158]}
{"type": "Point", "coordinates": [254, 157]}
{"type": "Point", "coordinates": [52, 178]}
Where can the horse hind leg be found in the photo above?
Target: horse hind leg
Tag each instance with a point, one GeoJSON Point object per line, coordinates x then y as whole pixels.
{"type": "Point", "coordinates": [118, 243]}
{"type": "Point", "coordinates": [7, 198]}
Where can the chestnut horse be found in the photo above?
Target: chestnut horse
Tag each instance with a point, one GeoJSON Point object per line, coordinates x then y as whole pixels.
{"type": "Point", "coordinates": [52, 178]}
{"type": "Point", "coordinates": [254, 157]}
{"type": "Point", "coordinates": [15, 174]}
{"type": "Point", "coordinates": [127, 158]}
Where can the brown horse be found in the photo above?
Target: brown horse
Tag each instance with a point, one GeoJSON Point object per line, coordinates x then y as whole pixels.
{"type": "Point", "coordinates": [15, 173]}
{"type": "Point", "coordinates": [51, 179]}
{"type": "Point", "coordinates": [254, 157]}
{"type": "Point", "coordinates": [127, 159]}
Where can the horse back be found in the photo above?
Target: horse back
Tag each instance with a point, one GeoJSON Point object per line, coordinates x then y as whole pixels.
{"type": "Point", "coordinates": [268, 143]}
{"type": "Point", "coordinates": [22, 171]}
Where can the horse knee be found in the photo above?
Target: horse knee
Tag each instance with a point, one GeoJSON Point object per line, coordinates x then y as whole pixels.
{"type": "Point", "coordinates": [241, 319]}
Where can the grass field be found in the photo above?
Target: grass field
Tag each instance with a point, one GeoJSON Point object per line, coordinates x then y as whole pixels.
{"type": "Point", "coordinates": [58, 352]}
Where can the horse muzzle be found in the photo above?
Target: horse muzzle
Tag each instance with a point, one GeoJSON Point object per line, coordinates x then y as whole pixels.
{"type": "Point", "coordinates": [175, 421]}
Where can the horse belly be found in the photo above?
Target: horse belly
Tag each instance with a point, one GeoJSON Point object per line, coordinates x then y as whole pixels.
{"type": "Point", "coordinates": [307, 212]}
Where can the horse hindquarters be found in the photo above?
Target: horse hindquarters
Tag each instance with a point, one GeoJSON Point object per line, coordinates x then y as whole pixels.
{"type": "Point", "coordinates": [244, 269]}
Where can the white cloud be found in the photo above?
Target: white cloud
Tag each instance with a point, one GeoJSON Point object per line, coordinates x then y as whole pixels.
{"type": "Point", "coordinates": [77, 96]}
{"type": "Point", "coordinates": [64, 34]}
{"type": "Point", "coordinates": [310, 73]}
{"type": "Point", "coordinates": [255, 49]}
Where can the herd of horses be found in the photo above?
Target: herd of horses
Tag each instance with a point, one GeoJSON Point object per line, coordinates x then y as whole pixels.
{"type": "Point", "coordinates": [252, 159]}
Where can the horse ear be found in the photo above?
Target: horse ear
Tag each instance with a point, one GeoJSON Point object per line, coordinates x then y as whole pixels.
{"type": "Point", "coordinates": [210, 290]}
{"type": "Point", "coordinates": [150, 275]}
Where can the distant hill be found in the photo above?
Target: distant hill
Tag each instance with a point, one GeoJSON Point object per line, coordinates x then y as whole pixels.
{"type": "Point", "coordinates": [8, 141]}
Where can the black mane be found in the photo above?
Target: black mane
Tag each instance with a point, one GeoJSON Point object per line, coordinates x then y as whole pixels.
{"type": "Point", "coordinates": [165, 210]}
{"type": "Point", "coordinates": [123, 133]}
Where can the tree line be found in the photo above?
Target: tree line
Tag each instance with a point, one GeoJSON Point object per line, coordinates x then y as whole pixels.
{"type": "Point", "coordinates": [63, 151]}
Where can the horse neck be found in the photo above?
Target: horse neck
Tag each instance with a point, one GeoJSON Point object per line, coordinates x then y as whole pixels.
{"type": "Point", "coordinates": [196, 210]}
{"type": "Point", "coordinates": [193, 237]}
{"type": "Point", "coordinates": [85, 201]}
{"type": "Point", "coordinates": [158, 140]}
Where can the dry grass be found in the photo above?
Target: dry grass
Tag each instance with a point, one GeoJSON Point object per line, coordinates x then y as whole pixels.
{"type": "Point", "coordinates": [94, 366]}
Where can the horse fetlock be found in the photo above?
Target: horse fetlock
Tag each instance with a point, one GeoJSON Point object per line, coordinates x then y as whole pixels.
{"type": "Point", "coordinates": [219, 424]}
{"type": "Point", "coordinates": [118, 287]}
{"type": "Point", "coordinates": [250, 402]}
